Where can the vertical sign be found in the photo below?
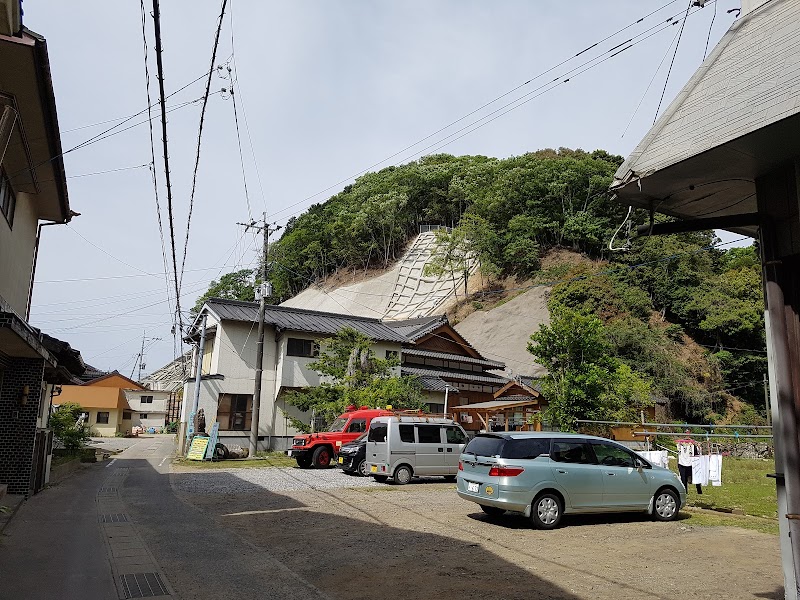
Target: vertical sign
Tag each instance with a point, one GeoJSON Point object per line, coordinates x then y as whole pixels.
{"type": "Point", "coordinates": [212, 444]}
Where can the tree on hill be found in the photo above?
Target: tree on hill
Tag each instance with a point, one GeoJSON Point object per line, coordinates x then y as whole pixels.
{"type": "Point", "coordinates": [231, 286]}
{"type": "Point", "coordinates": [354, 376]}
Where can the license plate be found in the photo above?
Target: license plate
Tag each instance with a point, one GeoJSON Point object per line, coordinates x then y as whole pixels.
{"type": "Point", "coordinates": [341, 460]}
{"type": "Point", "coordinates": [373, 469]}
{"type": "Point", "coordinates": [473, 487]}
{"type": "Point", "coordinates": [289, 453]}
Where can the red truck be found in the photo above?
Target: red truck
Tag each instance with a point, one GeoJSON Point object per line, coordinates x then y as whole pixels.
{"type": "Point", "coordinates": [317, 450]}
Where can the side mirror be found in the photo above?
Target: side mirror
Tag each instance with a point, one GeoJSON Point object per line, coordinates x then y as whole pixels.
{"type": "Point", "coordinates": [638, 464]}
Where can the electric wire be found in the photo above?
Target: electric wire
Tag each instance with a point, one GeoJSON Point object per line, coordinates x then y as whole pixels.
{"type": "Point", "coordinates": [199, 138]}
{"type": "Point", "coordinates": [669, 72]}
{"type": "Point", "coordinates": [710, 27]}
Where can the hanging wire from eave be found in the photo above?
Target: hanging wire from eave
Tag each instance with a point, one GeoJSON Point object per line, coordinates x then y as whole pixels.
{"type": "Point", "coordinates": [199, 138]}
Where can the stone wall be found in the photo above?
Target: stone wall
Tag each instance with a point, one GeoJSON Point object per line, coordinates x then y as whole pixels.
{"type": "Point", "coordinates": [18, 423]}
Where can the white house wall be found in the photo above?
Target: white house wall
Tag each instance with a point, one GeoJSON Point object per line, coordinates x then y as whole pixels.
{"type": "Point", "coordinates": [17, 245]}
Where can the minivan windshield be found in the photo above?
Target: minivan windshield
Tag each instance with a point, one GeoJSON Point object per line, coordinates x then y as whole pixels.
{"type": "Point", "coordinates": [338, 425]}
{"type": "Point", "coordinates": [485, 445]}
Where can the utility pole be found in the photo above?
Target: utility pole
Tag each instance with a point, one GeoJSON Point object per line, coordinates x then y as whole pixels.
{"type": "Point", "coordinates": [766, 400]}
{"type": "Point", "coordinates": [265, 289]}
{"type": "Point", "coordinates": [140, 357]}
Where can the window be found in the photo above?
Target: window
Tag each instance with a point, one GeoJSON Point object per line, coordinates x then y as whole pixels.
{"type": "Point", "coordinates": [455, 435]}
{"type": "Point", "coordinates": [338, 425]}
{"type": "Point", "coordinates": [612, 455]}
{"type": "Point", "coordinates": [392, 354]}
{"type": "Point", "coordinates": [406, 433]}
{"type": "Point", "coordinates": [526, 448]}
{"type": "Point", "coordinates": [8, 201]}
{"type": "Point", "coordinates": [126, 415]}
{"type": "Point", "coordinates": [357, 426]}
{"type": "Point", "coordinates": [235, 412]}
{"type": "Point", "coordinates": [305, 348]}
{"type": "Point", "coordinates": [576, 452]}
{"type": "Point", "coordinates": [102, 417]}
{"type": "Point", "coordinates": [485, 445]}
{"type": "Point", "coordinates": [429, 434]}
{"type": "Point", "coordinates": [142, 415]}
{"type": "Point", "coordinates": [147, 399]}
{"type": "Point", "coordinates": [208, 351]}
{"type": "Point", "coordinates": [377, 432]}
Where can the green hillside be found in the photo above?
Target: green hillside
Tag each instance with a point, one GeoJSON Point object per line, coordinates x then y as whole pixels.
{"type": "Point", "coordinates": [683, 318]}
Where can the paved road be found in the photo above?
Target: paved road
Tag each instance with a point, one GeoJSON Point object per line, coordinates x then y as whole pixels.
{"type": "Point", "coordinates": [116, 530]}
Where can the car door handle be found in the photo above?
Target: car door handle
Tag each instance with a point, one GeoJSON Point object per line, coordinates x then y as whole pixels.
{"type": "Point", "coordinates": [449, 449]}
{"type": "Point", "coordinates": [612, 474]}
{"type": "Point", "coordinates": [561, 471]}
{"type": "Point", "coordinates": [440, 449]}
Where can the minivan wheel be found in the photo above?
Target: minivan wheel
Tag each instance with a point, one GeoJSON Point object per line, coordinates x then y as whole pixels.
{"type": "Point", "coordinates": [402, 475]}
{"type": "Point", "coordinates": [492, 511]}
{"type": "Point", "coordinates": [546, 511]}
{"type": "Point", "coordinates": [362, 468]}
{"type": "Point", "coordinates": [665, 505]}
{"type": "Point", "coordinates": [322, 458]}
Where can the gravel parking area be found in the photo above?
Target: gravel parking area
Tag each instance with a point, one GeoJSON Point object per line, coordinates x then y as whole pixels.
{"type": "Point", "coordinates": [356, 539]}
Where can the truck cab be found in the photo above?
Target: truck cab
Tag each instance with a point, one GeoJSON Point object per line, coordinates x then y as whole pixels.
{"type": "Point", "coordinates": [318, 449]}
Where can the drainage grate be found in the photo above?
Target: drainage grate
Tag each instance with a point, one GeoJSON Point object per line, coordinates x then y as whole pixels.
{"type": "Point", "coordinates": [108, 490]}
{"type": "Point", "coordinates": [115, 518]}
{"type": "Point", "coordinates": [143, 585]}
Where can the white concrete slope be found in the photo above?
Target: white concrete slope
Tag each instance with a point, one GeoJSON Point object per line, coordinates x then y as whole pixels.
{"type": "Point", "coordinates": [403, 292]}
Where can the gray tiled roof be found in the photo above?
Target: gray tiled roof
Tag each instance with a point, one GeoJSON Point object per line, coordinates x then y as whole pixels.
{"type": "Point", "coordinates": [435, 384]}
{"type": "Point", "coordinates": [414, 329]}
{"type": "Point", "coordinates": [297, 319]}
{"type": "Point", "coordinates": [466, 377]}
{"type": "Point", "coordinates": [492, 364]}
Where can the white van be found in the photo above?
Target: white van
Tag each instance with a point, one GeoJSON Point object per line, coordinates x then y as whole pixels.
{"type": "Point", "coordinates": [402, 447]}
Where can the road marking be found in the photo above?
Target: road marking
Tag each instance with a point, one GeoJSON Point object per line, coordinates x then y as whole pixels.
{"type": "Point", "coordinates": [113, 460]}
{"type": "Point", "coordinates": [163, 461]}
{"type": "Point", "coordinates": [262, 512]}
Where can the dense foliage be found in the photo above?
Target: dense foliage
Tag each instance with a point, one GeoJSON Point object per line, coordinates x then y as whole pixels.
{"type": "Point", "coordinates": [353, 376]}
{"type": "Point", "coordinates": [66, 429]}
{"type": "Point", "coordinates": [653, 301]}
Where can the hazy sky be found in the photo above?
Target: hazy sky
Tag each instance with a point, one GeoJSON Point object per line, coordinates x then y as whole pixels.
{"type": "Point", "coordinates": [325, 90]}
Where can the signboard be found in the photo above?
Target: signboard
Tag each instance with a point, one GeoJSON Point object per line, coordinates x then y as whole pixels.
{"type": "Point", "coordinates": [198, 448]}
{"type": "Point", "coordinates": [212, 444]}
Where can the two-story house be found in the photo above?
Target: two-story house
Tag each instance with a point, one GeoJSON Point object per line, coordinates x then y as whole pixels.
{"type": "Point", "coordinates": [33, 188]}
{"type": "Point", "coordinates": [428, 348]}
{"type": "Point", "coordinates": [147, 409]}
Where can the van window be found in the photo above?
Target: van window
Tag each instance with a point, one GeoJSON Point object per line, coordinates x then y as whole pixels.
{"type": "Point", "coordinates": [406, 433]}
{"type": "Point", "coordinates": [526, 448]}
{"type": "Point", "coordinates": [357, 426]}
{"type": "Point", "coordinates": [429, 434]}
{"type": "Point", "coordinates": [377, 432]}
{"type": "Point", "coordinates": [612, 455]}
{"type": "Point", "coordinates": [455, 436]}
{"type": "Point", "coordinates": [572, 452]}
{"type": "Point", "coordinates": [485, 445]}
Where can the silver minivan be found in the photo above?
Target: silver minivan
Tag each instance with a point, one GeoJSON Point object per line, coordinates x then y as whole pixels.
{"type": "Point", "coordinates": [546, 475]}
{"type": "Point", "coordinates": [402, 447]}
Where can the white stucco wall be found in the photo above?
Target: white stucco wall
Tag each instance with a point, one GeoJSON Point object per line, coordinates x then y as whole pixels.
{"type": "Point", "coordinates": [17, 244]}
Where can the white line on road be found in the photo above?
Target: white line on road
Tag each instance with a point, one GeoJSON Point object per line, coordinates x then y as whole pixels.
{"type": "Point", "coordinates": [163, 461]}
{"type": "Point", "coordinates": [113, 460]}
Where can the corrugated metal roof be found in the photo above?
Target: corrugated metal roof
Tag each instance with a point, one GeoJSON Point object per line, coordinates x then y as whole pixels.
{"type": "Point", "coordinates": [466, 377]}
{"type": "Point", "coordinates": [495, 404]}
{"type": "Point", "coordinates": [492, 364]}
{"type": "Point", "coordinates": [297, 319]}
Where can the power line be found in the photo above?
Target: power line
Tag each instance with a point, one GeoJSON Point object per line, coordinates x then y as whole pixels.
{"type": "Point", "coordinates": [518, 102]}
{"type": "Point", "coordinates": [162, 102]}
{"type": "Point", "coordinates": [200, 136]}
{"type": "Point", "coordinates": [680, 33]}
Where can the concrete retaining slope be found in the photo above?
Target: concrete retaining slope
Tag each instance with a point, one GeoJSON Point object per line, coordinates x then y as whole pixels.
{"type": "Point", "coordinates": [400, 293]}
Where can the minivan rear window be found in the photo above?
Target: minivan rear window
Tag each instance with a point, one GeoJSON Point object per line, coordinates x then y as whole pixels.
{"type": "Point", "coordinates": [377, 432]}
{"type": "Point", "coordinates": [526, 448]}
{"type": "Point", "coordinates": [485, 445]}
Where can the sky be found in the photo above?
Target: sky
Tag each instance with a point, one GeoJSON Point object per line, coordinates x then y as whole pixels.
{"type": "Point", "coordinates": [324, 90]}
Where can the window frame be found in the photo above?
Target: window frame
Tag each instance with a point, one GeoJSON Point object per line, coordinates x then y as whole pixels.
{"type": "Point", "coordinates": [633, 456]}
{"type": "Point", "coordinates": [129, 413]}
{"type": "Point", "coordinates": [106, 415]}
{"type": "Point", "coordinates": [234, 415]}
{"type": "Point", "coordinates": [303, 352]}
{"type": "Point", "coordinates": [585, 443]}
{"type": "Point", "coordinates": [8, 199]}
{"type": "Point", "coordinates": [145, 399]}
{"type": "Point", "coordinates": [421, 428]}
{"type": "Point", "coordinates": [350, 429]}
{"type": "Point", "coordinates": [144, 416]}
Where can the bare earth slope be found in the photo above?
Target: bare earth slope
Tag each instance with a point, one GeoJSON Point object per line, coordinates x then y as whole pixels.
{"type": "Point", "coordinates": [503, 332]}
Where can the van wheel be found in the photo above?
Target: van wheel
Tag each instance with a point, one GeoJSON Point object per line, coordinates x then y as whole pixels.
{"type": "Point", "coordinates": [546, 511]}
{"type": "Point", "coordinates": [362, 468]}
{"type": "Point", "coordinates": [321, 458]}
{"type": "Point", "coordinates": [665, 506]}
{"type": "Point", "coordinates": [492, 511]}
{"type": "Point", "coordinates": [402, 475]}
{"type": "Point", "coordinates": [380, 478]}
